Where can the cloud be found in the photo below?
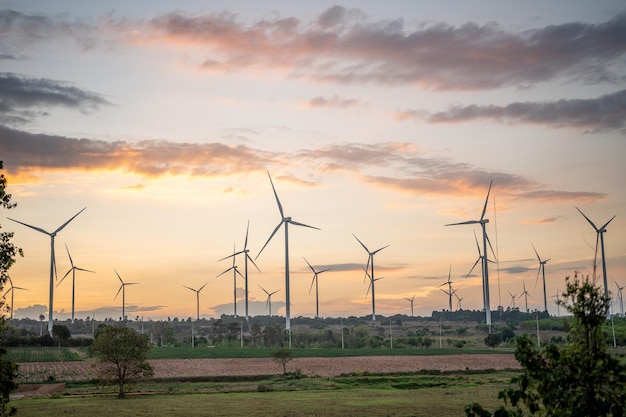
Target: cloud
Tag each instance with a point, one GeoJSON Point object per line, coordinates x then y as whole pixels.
{"type": "Point", "coordinates": [345, 46]}
{"type": "Point", "coordinates": [604, 113]}
{"type": "Point", "coordinates": [23, 99]}
{"type": "Point", "coordinates": [548, 220]}
{"type": "Point", "coordinates": [332, 102]}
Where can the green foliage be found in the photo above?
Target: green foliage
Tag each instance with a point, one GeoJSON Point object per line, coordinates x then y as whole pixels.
{"type": "Point", "coordinates": [8, 252]}
{"type": "Point", "coordinates": [493, 339]}
{"type": "Point", "coordinates": [42, 354]}
{"type": "Point", "coordinates": [61, 332]}
{"type": "Point", "coordinates": [579, 379]}
{"type": "Point", "coordinates": [122, 354]}
{"type": "Point", "coordinates": [282, 356]}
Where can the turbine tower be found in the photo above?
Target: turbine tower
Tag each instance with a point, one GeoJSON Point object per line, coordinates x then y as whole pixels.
{"type": "Point", "coordinates": [410, 300]}
{"type": "Point", "coordinates": [269, 299]}
{"type": "Point", "coordinates": [284, 221]}
{"type": "Point", "coordinates": [73, 270]}
{"type": "Point", "coordinates": [600, 236]}
{"type": "Point", "coordinates": [370, 261]}
{"type": "Point", "coordinates": [450, 292]}
{"type": "Point", "coordinates": [197, 298]}
{"type": "Point", "coordinates": [123, 290]}
{"type": "Point", "coordinates": [235, 272]}
{"type": "Point", "coordinates": [247, 258]}
{"type": "Point", "coordinates": [315, 281]}
{"type": "Point", "coordinates": [53, 267]}
{"type": "Point", "coordinates": [12, 290]}
{"type": "Point", "coordinates": [526, 294]}
{"type": "Point", "coordinates": [542, 270]}
{"type": "Point", "coordinates": [619, 296]}
{"type": "Point", "coordinates": [485, 259]}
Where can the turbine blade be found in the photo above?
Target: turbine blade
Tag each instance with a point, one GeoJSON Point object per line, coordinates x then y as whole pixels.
{"type": "Point", "coordinates": [302, 224]}
{"type": "Point", "coordinates": [312, 282]}
{"type": "Point", "coordinates": [118, 275]}
{"type": "Point", "coordinates": [475, 263]}
{"type": "Point", "coordinates": [264, 290]}
{"type": "Point", "coordinates": [270, 238]}
{"type": "Point", "coordinates": [231, 256]}
{"type": "Point", "coordinates": [189, 288]}
{"type": "Point", "coordinates": [536, 253]}
{"type": "Point", "coordinates": [245, 242]}
{"type": "Point", "coordinates": [378, 250]}
{"type": "Point", "coordinates": [118, 291]}
{"type": "Point", "coordinates": [467, 222]}
{"type": "Point", "coordinates": [364, 247]}
{"type": "Point", "coordinates": [224, 272]}
{"type": "Point", "coordinates": [280, 207]}
{"type": "Point", "coordinates": [82, 269]}
{"type": "Point", "coordinates": [323, 270]}
{"type": "Point", "coordinates": [607, 223]}
{"type": "Point", "coordinates": [67, 222]}
{"type": "Point", "coordinates": [538, 273]}
{"type": "Point", "coordinates": [482, 216]}
{"type": "Point", "coordinates": [274, 292]}
{"type": "Point", "coordinates": [69, 256]}
{"type": "Point", "coordinates": [477, 245]}
{"type": "Point", "coordinates": [491, 247]}
{"type": "Point", "coordinates": [39, 229]}
{"type": "Point", "coordinates": [368, 289]}
{"type": "Point", "coordinates": [589, 220]}
{"type": "Point", "coordinates": [251, 260]}
{"type": "Point", "coordinates": [237, 271]}
{"type": "Point", "coordinates": [307, 262]}
{"type": "Point", "coordinates": [66, 274]}
{"type": "Point", "coordinates": [201, 288]}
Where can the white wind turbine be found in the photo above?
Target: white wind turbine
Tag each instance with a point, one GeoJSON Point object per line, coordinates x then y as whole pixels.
{"type": "Point", "coordinates": [370, 264]}
{"type": "Point", "coordinates": [485, 259]}
{"type": "Point", "coordinates": [53, 267]}
{"type": "Point", "coordinates": [410, 300]}
{"type": "Point", "coordinates": [450, 292]}
{"type": "Point", "coordinates": [542, 270]}
{"type": "Point", "coordinates": [235, 272]}
{"type": "Point", "coordinates": [197, 298]}
{"type": "Point", "coordinates": [315, 281]}
{"type": "Point", "coordinates": [284, 221]}
{"type": "Point", "coordinates": [600, 236]}
{"type": "Point", "coordinates": [245, 251]}
{"type": "Point", "coordinates": [513, 297]}
{"type": "Point", "coordinates": [526, 294]}
{"type": "Point", "coordinates": [619, 296]}
{"type": "Point", "coordinates": [12, 290]}
{"type": "Point", "coordinates": [123, 290]}
{"type": "Point", "coordinates": [558, 306]}
{"type": "Point", "coordinates": [73, 270]}
{"type": "Point", "coordinates": [459, 300]}
{"type": "Point", "coordinates": [269, 299]}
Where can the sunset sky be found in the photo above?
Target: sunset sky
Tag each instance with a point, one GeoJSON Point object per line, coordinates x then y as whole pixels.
{"type": "Point", "coordinates": [386, 120]}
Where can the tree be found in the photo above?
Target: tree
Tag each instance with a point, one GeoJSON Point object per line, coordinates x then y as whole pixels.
{"type": "Point", "coordinates": [580, 379]}
{"type": "Point", "coordinates": [8, 252]}
{"type": "Point", "coordinates": [122, 355]}
{"type": "Point", "coordinates": [61, 332]}
{"type": "Point", "coordinates": [282, 356]}
{"type": "Point", "coordinates": [493, 339]}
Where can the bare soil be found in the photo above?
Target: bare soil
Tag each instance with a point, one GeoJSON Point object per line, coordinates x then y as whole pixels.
{"type": "Point", "coordinates": [34, 372]}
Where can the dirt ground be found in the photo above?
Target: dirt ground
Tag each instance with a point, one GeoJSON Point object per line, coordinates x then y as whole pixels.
{"type": "Point", "coordinates": [325, 367]}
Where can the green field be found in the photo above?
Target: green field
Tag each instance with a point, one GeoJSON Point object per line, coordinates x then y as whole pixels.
{"type": "Point", "coordinates": [442, 395]}
{"type": "Point", "coordinates": [42, 354]}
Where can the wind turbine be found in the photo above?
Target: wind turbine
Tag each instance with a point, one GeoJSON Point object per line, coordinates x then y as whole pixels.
{"type": "Point", "coordinates": [600, 236]}
{"type": "Point", "coordinates": [485, 259]}
{"type": "Point", "coordinates": [284, 221]}
{"type": "Point", "coordinates": [315, 280]}
{"type": "Point", "coordinates": [269, 299]}
{"type": "Point", "coordinates": [513, 298]}
{"type": "Point", "coordinates": [372, 281]}
{"type": "Point", "coordinates": [53, 267]}
{"type": "Point", "coordinates": [370, 261]}
{"type": "Point", "coordinates": [410, 300]}
{"type": "Point", "coordinates": [12, 289]}
{"type": "Point", "coordinates": [558, 309]}
{"type": "Point", "coordinates": [235, 272]}
{"type": "Point", "coordinates": [526, 295]}
{"type": "Point", "coordinates": [73, 270]}
{"type": "Point", "coordinates": [459, 300]}
{"type": "Point", "coordinates": [247, 257]}
{"type": "Point", "coordinates": [542, 269]}
{"type": "Point", "coordinates": [123, 290]}
{"type": "Point", "coordinates": [450, 292]}
{"type": "Point", "coordinates": [619, 296]}
{"type": "Point", "coordinates": [197, 298]}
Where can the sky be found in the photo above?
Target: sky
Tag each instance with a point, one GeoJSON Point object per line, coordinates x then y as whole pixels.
{"type": "Point", "coordinates": [384, 121]}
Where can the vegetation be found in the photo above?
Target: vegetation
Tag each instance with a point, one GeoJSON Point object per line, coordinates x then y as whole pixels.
{"type": "Point", "coordinates": [8, 252]}
{"type": "Point", "coordinates": [122, 355]}
{"type": "Point", "coordinates": [282, 356]}
{"type": "Point", "coordinates": [580, 379]}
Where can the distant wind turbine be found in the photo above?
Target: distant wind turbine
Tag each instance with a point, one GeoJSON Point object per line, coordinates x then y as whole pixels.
{"type": "Point", "coordinates": [370, 264]}
{"type": "Point", "coordinates": [558, 307]}
{"type": "Point", "coordinates": [459, 300]}
{"type": "Point", "coordinates": [526, 294]}
{"type": "Point", "coordinates": [371, 284]}
{"type": "Point", "coordinates": [284, 221]}
{"type": "Point", "coordinates": [53, 267]}
{"type": "Point", "coordinates": [269, 299]}
{"type": "Point", "coordinates": [235, 272]}
{"type": "Point", "coordinates": [600, 236]}
{"type": "Point", "coordinates": [123, 290]}
{"type": "Point", "coordinates": [542, 270]}
{"type": "Point", "coordinates": [619, 296]}
{"type": "Point", "coordinates": [12, 290]}
{"type": "Point", "coordinates": [485, 259]}
{"type": "Point", "coordinates": [315, 281]}
{"type": "Point", "coordinates": [410, 300]}
{"type": "Point", "coordinates": [450, 292]}
{"type": "Point", "coordinates": [73, 270]}
{"type": "Point", "coordinates": [513, 298]}
{"type": "Point", "coordinates": [245, 251]}
{"type": "Point", "coordinates": [197, 298]}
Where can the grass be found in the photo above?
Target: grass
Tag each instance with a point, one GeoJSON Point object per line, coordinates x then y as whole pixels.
{"type": "Point", "coordinates": [41, 354]}
{"type": "Point", "coordinates": [444, 394]}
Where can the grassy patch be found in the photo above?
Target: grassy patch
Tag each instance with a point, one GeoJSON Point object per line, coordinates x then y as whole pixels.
{"type": "Point", "coordinates": [41, 354]}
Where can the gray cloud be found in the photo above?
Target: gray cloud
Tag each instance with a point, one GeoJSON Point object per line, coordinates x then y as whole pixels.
{"type": "Point", "coordinates": [22, 98]}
